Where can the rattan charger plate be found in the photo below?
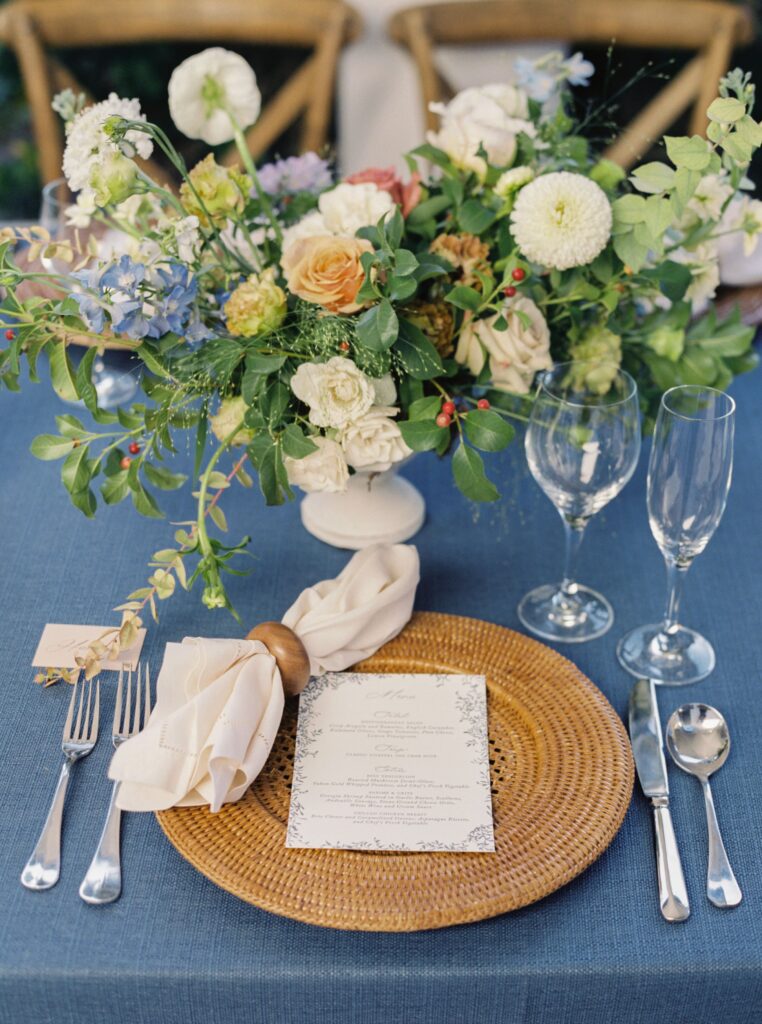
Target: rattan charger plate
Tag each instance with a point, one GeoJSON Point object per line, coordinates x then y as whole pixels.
{"type": "Point", "coordinates": [562, 778]}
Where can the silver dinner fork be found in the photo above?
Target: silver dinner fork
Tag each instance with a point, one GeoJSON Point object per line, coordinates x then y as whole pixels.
{"type": "Point", "coordinates": [103, 881]}
{"type": "Point", "coordinates": [79, 735]}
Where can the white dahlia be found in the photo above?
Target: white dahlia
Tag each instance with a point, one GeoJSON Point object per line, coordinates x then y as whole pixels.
{"type": "Point", "coordinates": [87, 144]}
{"type": "Point", "coordinates": [561, 220]}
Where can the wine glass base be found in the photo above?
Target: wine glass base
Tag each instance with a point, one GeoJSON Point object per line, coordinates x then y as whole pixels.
{"type": "Point", "coordinates": [685, 657]}
{"type": "Point", "coordinates": [545, 612]}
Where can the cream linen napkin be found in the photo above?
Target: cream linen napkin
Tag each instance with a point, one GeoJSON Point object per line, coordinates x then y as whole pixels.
{"type": "Point", "coordinates": [219, 702]}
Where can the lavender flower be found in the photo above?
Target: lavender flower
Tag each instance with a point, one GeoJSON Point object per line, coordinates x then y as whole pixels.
{"type": "Point", "coordinates": [306, 173]}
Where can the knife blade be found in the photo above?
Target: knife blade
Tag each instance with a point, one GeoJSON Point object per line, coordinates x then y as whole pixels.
{"type": "Point", "coordinates": [648, 751]}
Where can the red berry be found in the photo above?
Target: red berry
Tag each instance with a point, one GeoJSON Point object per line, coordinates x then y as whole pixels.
{"type": "Point", "coordinates": [509, 292]}
{"type": "Point", "coordinates": [344, 346]}
{"type": "Point", "coordinates": [518, 274]}
{"type": "Point", "coordinates": [444, 419]}
{"type": "Point", "coordinates": [483, 403]}
{"type": "Point", "coordinates": [134, 447]}
{"type": "Point", "coordinates": [9, 334]}
{"type": "Point", "coordinates": [448, 408]}
{"type": "Point", "coordinates": [126, 462]}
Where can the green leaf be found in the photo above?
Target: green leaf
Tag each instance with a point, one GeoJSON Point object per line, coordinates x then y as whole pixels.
{"type": "Point", "coordinates": [629, 209]}
{"type": "Point", "coordinates": [468, 471]}
{"type": "Point", "coordinates": [62, 373]}
{"type": "Point", "coordinates": [475, 218]}
{"type": "Point", "coordinates": [654, 177]}
{"type": "Point", "coordinates": [416, 353]}
{"type": "Point", "coordinates": [378, 327]}
{"type": "Point", "coordinates": [76, 470]}
{"type": "Point", "coordinates": [434, 156]}
{"type": "Point", "coordinates": [692, 153]}
{"type": "Point", "coordinates": [673, 279]}
{"type": "Point", "coordinates": [421, 435]}
{"type": "Point", "coordinates": [163, 478]}
{"type": "Point", "coordinates": [686, 181]}
{"type": "Point", "coordinates": [49, 446]}
{"type": "Point", "coordinates": [630, 251]}
{"type": "Point", "coordinates": [83, 380]}
{"type": "Point", "coordinates": [144, 501]}
{"type": "Point", "coordinates": [266, 364]}
{"type": "Point", "coordinates": [737, 148]}
{"type": "Point", "coordinates": [115, 488]}
{"type": "Point", "coordinates": [726, 110]}
{"type": "Point", "coordinates": [697, 367]}
{"type": "Point", "coordinates": [427, 210]}
{"type": "Point", "coordinates": [70, 426]}
{"type": "Point", "coordinates": [465, 298]}
{"type": "Point", "coordinates": [274, 401]}
{"type": "Point", "coordinates": [85, 501]}
{"type": "Point", "coordinates": [487, 430]}
{"type": "Point", "coordinates": [658, 215]}
{"type": "Point", "coordinates": [425, 408]}
{"type": "Point", "coordinates": [405, 262]}
{"type": "Point", "coordinates": [295, 442]}
{"type": "Point", "coordinates": [218, 518]}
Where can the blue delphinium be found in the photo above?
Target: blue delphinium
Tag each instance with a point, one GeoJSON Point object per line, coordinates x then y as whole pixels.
{"type": "Point", "coordinates": [123, 276]}
{"type": "Point", "coordinates": [90, 308]}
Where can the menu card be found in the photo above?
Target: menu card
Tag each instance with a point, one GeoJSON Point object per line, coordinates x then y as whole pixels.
{"type": "Point", "coordinates": [392, 762]}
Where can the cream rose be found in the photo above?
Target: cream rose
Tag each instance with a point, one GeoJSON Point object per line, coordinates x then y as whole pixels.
{"type": "Point", "coordinates": [374, 442]}
{"type": "Point", "coordinates": [515, 353]}
{"type": "Point", "coordinates": [229, 415]}
{"type": "Point", "coordinates": [491, 117]}
{"type": "Point", "coordinates": [337, 392]}
{"type": "Point", "coordinates": [323, 470]}
{"type": "Point", "coordinates": [310, 226]}
{"type": "Point", "coordinates": [347, 208]}
{"type": "Point", "coordinates": [326, 271]}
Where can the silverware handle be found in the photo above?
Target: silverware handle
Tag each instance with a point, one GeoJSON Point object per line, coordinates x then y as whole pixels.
{"type": "Point", "coordinates": [103, 881]}
{"type": "Point", "coordinates": [43, 868]}
{"type": "Point", "coordinates": [721, 886]}
{"type": "Point", "coordinates": [673, 897]}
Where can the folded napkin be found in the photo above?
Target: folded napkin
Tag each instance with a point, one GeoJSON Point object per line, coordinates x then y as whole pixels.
{"type": "Point", "coordinates": [219, 702]}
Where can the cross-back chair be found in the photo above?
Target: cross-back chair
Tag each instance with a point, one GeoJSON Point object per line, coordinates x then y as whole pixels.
{"type": "Point", "coordinates": [32, 27]}
{"type": "Point", "coordinates": [708, 27]}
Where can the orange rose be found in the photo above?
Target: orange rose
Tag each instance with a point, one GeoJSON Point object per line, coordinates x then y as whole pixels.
{"type": "Point", "coordinates": [326, 270]}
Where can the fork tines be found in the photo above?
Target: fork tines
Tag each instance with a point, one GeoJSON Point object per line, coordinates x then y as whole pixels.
{"type": "Point", "coordinates": [127, 717]}
{"type": "Point", "coordinates": [85, 730]}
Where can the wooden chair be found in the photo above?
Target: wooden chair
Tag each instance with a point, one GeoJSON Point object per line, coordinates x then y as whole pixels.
{"type": "Point", "coordinates": [30, 27]}
{"type": "Point", "coordinates": [708, 27]}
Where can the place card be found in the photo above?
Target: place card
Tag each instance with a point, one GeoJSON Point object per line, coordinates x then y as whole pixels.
{"type": "Point", "coordinates": [61, 644]}
{"type": "Point", "coordinates": [392, 762]}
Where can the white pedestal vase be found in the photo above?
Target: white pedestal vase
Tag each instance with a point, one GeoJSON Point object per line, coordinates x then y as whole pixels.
{"type": "Point", "coordinates": [376, 508]}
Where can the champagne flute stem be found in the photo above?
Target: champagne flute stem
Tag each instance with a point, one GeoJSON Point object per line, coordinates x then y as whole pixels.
{"type": "Point", "coordinates": [675, 578]}
{"type": "Point", "coordinates": [574, 531]}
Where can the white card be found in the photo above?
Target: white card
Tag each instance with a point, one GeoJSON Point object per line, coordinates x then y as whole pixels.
{"type": "Point", "coordinates": [392, 762]}
{"type": "Point", "coordinates": [60, 645]}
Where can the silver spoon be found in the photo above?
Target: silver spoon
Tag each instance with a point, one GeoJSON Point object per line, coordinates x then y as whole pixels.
{"type": "Point", "coordinates": [699, 742]}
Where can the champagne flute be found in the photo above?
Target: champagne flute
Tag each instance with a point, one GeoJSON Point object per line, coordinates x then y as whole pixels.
{"type": "Point", "coordinates": [114, 373]}
{"type": "Point", "coordinates": [689, 476]}
{"type": "Point", "coordinates": [582, 444]}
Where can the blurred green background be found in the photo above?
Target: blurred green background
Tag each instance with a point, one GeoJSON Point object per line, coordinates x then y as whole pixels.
{"type": "Point", "coordinates": [144, 72]}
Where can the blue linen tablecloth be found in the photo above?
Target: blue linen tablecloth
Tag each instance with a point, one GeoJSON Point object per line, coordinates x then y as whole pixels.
{"type": "Point", "coordinates": [177, 950]}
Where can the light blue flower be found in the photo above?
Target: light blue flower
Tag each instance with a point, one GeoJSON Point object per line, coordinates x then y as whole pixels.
{"type": "Point", "coordinates": [92, 313]}
{"type": "Point", "coordinates": [196, 331]}
{"type": "Point", "coordinates": [578, 70]}
{"type": "Point", "coordinates": [128, 318]}
{"type": "Point", "coordinates": [123, 276]}
{"type": "Point", "coordinates": [537, 82]}
{"type": "Point", "coordinates": [542, 78]}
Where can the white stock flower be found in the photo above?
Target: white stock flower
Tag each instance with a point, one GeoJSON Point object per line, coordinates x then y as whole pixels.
{"type": "Point", "coordinates": [515, 353]}
{"type": "Point", "coordinates": [188, 238]}
{"type": "Point", "coordinates": [703, 263]}
{"type": "Point", "coordinates": [87, 144]}
{"type": "Point", "coordinates": [80, 213]}
{"type": "Point", "coordinates": [347, 208]}
{"type": "Point", "coordinates": [205, 87]}
{"type": "Point", "coordinates": [561, 220]}
{"type": "Point", "coordinates": [489, 117]}
{"type": "Point", "coordinates": [310, 226]}
{"type": "Point", "coordinates": [744, 215]}
{"type": "Point", "coordinates": [373, 442]}
{"type": "Point", "coordinates": [337, 392]}
{"type": "Point", "coordinates": [514, 179]}
{"type": "Point", "coordinates": [712, 192]}
{"type": "Point", "coordinates": [323, 470]}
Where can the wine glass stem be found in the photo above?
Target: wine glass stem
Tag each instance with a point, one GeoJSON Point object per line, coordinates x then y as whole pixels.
{"type": "Point", "coordinates": [675, 578]}
{"type": "Point", "coordinates": [574, 530]}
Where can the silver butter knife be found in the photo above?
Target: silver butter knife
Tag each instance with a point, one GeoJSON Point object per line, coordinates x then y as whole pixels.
{"type": "Point", "coordinates": [647, 749]}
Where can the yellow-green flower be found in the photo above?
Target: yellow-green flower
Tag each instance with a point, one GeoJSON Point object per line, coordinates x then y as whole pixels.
{"type": "Point", "coordinates": [603, 348]}
{"type": "Point", "coordinates": [256, 306]}
{"type": "Point", "coordinates": [113, 179]}
{"type": "Point", "coordinates": [230, 413]}
{"type": "Point", "coordinates": [220, 192]}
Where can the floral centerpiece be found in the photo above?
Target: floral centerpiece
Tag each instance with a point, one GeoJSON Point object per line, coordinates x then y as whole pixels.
{"type": "Point", "coordinates": [314, 327]}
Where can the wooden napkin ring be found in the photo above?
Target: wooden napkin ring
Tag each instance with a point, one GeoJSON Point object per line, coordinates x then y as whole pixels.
{"type": "Point", "coordinates": [289, 653]}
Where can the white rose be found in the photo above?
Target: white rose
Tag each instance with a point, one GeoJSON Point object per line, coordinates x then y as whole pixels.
{"type": "Point", "coordinates": [347, 208]}
{"type": "Point", "coordinates": [374, 442]}
{"type": "Point", "coordinates": [323, 470]}
{"type": "Point", "coordinates": [385, 391]}
{"type": "Point", "coordinates": [515, 353]}
{"type": "Point", "coordinates": [311, 226]}
{"type": "Point", "coordinates": [202, 86]}
{"type": "Point", "coordinates": [337, 392]}
{"type": "Point", "coordinates": [491, 117]}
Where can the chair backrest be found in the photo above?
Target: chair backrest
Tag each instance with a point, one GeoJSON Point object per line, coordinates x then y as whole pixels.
{"type": "Point", "coordinates": [709, 27]}
{"type": "Point", "coordinates": [31, 27]}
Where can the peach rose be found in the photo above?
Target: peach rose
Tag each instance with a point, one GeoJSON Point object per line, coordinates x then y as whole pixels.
{"type": "Point", "coordinates": [407, 196]}
{"type": "Point", "coordinates": [326, 270]}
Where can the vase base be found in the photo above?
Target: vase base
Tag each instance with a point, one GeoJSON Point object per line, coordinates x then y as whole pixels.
{"type": "Point", "coordinates": [375, 509]}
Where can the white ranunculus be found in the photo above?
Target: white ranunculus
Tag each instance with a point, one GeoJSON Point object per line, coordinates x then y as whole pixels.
{"type": "Point", "coordinates": [311, 226]}
{"type": "Point", "coordinates": [337, 392]}
{"type": "Point", "coordinates": [347, 208]}
{"type": "Point", "coordinates": [374, 441]}
{"type": "Point", "coordinates": [323, 470]}
{"type": "Point", "coordinates": [208, 85]}
{"type": "Point", "coordinates": [489, 117]}
{"type": "Point", "coordinates": [515, 353]}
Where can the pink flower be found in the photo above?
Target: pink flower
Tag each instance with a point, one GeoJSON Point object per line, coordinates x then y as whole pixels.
{"type": "Point", "coordinates": [386, 178]}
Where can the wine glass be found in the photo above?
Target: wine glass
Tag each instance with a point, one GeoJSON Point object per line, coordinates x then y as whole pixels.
{"type": "Point", "coordinates": [582, 446]}
{"type": "Point", "coordinates": [689, 475]}
{"type": "Point", "coordinates": [114, 372]}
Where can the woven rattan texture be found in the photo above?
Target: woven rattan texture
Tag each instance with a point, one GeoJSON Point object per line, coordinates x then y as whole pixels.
{"type": "Point", "coordinates": [562, 779]}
